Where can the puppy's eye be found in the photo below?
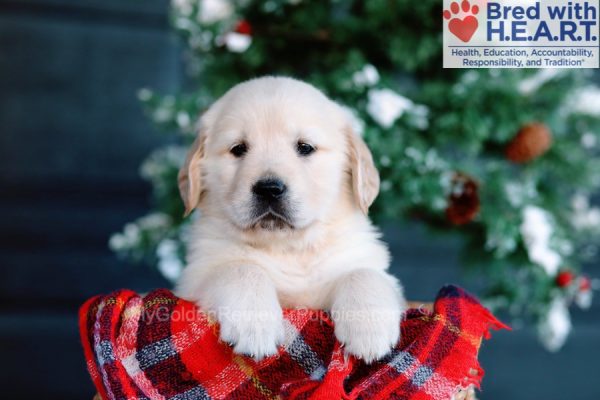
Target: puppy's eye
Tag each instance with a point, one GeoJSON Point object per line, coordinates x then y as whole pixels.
{"type": "Point", "coordinates": [239, 150]}
{"type": "Point", "coordinates": [304, 149]}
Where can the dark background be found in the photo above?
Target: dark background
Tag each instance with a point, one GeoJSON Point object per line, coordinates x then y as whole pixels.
{"type": "Point", "coordinates": [72, 135]}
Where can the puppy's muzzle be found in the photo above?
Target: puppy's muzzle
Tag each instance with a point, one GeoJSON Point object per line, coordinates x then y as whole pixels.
{"type": "Point", "coordinates": [270, 209]}
{"type": "Point", "coordinates": [269, 190]}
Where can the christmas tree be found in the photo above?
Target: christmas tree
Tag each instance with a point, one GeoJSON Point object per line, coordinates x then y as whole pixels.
{"type": "Point", "coordinates": [504, 158]}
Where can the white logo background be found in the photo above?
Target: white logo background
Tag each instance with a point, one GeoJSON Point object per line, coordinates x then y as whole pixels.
{"type": "Point", "coordinates": [514, 26]}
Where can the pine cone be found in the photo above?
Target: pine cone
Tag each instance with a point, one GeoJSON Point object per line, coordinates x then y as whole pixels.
{"type": "Point", "coordinates": [531, 141]}
{"type": "Point", "coordinates": [464, 200]}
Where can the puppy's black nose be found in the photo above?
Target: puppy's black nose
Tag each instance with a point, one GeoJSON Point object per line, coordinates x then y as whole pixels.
{"type": "Point", "coordinates": [269, 188]}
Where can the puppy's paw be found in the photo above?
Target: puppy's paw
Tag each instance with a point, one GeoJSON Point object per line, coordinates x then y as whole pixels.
{"type": "Point", "coordinates": [367, 306]}
{"type": "Point", "coordinates": [253, 331]}
{"type": "Point", "coordinates": [369, 334]}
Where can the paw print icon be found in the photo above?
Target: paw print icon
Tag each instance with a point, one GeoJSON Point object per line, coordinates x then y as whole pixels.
{"type": "Point", "coordinates": [463, 28]}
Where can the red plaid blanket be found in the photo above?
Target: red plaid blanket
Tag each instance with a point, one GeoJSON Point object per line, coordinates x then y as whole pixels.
{"type": "Point", "coordinates": [162, 347]}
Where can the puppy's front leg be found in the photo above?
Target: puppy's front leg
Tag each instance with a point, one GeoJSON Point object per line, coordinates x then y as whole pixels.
{"type": "Point", "coordinates": [367, 306]}
{"type": "Point", "coordinates": [247, 308]}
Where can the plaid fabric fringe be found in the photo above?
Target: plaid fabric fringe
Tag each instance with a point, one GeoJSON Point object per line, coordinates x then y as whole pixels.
{"type": "Point", "coordinates": [162, 347]}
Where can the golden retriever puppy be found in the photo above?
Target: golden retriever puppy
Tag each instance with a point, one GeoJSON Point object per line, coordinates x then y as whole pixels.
{"type": "Point", "coordinates": [283, 186]}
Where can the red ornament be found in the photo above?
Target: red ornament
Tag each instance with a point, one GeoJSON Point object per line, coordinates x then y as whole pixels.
{"type": "Point", "coordinates": [585, 284]}
{"type": "Point", "coordinates": [564, 278]}
{"type": "Point", "coordinates": [244, 27]}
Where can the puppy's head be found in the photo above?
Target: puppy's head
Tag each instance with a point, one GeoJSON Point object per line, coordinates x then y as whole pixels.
{"type": "Point", "coordinates": [274, 154]}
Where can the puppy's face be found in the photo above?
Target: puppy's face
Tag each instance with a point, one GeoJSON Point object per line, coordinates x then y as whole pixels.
{"type": "Point", "coordinates": [273, 165]}
{"type": "Point", "coordinates": [274, 154]}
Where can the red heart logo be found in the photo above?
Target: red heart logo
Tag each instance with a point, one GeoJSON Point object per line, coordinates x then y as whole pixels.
{"type": "Point", "coordinates": [463, 28]}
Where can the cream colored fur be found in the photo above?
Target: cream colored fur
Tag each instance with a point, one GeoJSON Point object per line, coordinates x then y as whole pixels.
{"type": "Point", "coordinates": [329, 257]}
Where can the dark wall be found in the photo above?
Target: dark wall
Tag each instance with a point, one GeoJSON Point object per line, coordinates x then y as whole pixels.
{"type": "Point", "coordinates": [72, 135]}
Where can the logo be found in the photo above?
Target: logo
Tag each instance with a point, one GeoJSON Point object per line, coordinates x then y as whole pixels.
{"type": "Point", "coordinates": [521, 33]}
{"type": "Point", "coordinates": [466, 27]}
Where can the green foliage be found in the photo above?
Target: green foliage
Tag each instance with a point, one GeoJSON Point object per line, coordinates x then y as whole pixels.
{"type": "Point", "coordinates": [455, 121]}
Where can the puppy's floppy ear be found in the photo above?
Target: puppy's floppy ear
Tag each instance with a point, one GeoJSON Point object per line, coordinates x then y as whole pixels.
{"type": "Point", "coordinates": [190, 175]}
{"type": "Point", "coordinates": [365, 178]}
